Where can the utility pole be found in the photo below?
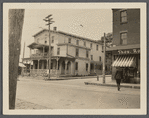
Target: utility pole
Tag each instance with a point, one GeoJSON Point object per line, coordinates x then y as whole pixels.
{"type": "Point", "coordinates": [16, 19]}
{"type": "Point", "coordinates": [49, 20]}
{"type": "Point", "coordinates": [104, 54]}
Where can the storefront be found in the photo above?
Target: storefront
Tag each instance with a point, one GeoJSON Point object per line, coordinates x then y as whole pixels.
{"type": "Point", "coordinates": [129, 61]}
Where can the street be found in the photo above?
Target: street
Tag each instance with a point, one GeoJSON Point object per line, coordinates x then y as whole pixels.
{"type": "Point", "coordinates": [74, 94]}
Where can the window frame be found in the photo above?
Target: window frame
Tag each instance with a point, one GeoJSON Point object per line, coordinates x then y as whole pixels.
{"type": "Point", "coordinates": [85, 43]}
{"type": "Point", "coordinates": [91, 57]}
{"type": "Point", "coordinates": [76, 66]}
{"type": "Point", "coordinates": [77, 52]}
{"type": "Point", "coordinates": [87, 53]}
{"type": "Point", "coordinates": [91, 45]}
{"type": "Point", "coordinates": [58, 51]}
{"type": "Point", "coordinates": [121, 17]}
{"type": "Point", "coordinates": [97, 47]}
{"type": "Point", "coordinates": [69, 40]}
{"type": "Point", "coordinates": [123, 39]}
{"type": "Point", "coordinates": [77, 42]}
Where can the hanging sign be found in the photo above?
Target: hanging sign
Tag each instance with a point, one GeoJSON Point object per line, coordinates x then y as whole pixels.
{"type": "Point", "coordinates": [130, 51]}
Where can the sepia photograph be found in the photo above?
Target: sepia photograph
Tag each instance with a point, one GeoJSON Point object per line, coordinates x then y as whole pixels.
{"type": "Point", "coordinates": [74, 58]}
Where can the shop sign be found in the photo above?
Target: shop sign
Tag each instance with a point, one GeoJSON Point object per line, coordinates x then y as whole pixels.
{"type": "Point", "coordinates": [130, 51]}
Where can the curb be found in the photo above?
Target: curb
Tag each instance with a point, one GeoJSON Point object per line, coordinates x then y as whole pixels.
{"type": "Point", "coordinates": [113, 85]}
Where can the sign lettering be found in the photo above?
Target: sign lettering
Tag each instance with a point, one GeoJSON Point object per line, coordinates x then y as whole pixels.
{"type": "Point", "coordinates": [131, 51]}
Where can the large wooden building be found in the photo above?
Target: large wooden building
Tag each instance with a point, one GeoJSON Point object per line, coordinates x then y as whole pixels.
{"type": "Point", "coordinates": [70, 54]}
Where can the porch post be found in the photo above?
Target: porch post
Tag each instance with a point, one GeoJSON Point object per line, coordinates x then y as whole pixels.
{"type": "Point", "coordinates": [47, 64]}
{"type": "Point", "coordinates": [89, 68]}
{"type": "Point", "coordinates": [72, 68]}
{"type": "Point", "coordinates": [38, 64]}
{"type": "Point", "coordinates": [30, 67]}
{"type": "Point", "coordinates": [57, 66]}
{"type": "Point", "coordinates": [43, 50]}
{"type": "Point", "coordinates": [66, 61]}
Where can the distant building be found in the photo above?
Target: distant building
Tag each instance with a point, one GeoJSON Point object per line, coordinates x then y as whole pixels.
{"type": "Point", "coordinates": [126, 43]}
{"type": "Point", "coordinates": [71, 54]}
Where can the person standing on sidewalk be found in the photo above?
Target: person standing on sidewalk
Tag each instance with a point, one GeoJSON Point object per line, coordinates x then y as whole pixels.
{"type": "Point", "coordinates": [118, 76]}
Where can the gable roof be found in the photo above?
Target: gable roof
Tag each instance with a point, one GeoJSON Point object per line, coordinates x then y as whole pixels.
{"type": "Point", "coordinates": [68, 34]}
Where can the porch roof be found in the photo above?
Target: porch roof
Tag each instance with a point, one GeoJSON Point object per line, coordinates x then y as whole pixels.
{"type": "Point", "coordinates": [37, 45]}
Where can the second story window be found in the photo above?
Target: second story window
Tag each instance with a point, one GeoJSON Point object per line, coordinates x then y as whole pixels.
{"type": "Point", "coordinates": [58, 51]}
{"type": "Point", "coordinates": [77, 52]}
{"type": "Point", "coordinates": [52, 39]}
{"type": "Point", "coordinates": [99, 58]}
{"type": "Point", "coordinates": [123, 38]}
{"type": "Point", "coordinates": [86, 53]}
{"type": "Point", "coordinates": [91, 57]}
{"type": "Point", "coordinates": [84, 43]}
{"type": "Point", "coordinates": [123, 16]}
{"type": "Point", "coordinates": [97, 47]}
{"type": "Point", "coordinates": [69, 40]}
{"type": "Point", "coordinates": [77, 42]}
{"type": "Point", "coordinates": [90, 45]}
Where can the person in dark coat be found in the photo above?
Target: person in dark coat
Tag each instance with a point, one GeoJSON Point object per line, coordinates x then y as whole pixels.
{"type": "Point", "coordinates": [118, 76]}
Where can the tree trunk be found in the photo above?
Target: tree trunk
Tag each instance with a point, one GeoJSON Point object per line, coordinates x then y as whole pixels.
{"type": "Point", "coordinates": [16, 18]}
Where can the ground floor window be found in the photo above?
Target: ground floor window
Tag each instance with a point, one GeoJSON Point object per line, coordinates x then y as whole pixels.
{"type": "Point", "coordinates": [76, 65]}
{"type": "Point", "coordinates": [86, 66]}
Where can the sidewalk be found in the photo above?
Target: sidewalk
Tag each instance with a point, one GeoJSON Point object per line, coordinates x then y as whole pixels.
{"type": "Point", "coordinates": [111, 83]}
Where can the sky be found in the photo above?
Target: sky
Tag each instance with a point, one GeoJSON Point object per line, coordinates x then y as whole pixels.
{"type": "Point", "coordinates": [95, 23]}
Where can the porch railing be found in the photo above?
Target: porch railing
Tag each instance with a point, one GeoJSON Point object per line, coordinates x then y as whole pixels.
{"type": "Point", "coordinates": [41, 55]}
{"type": "Point", "coordinates": [43, 72]}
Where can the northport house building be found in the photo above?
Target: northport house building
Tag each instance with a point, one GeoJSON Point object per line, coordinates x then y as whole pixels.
{"type": "Point", "coordinates": [70, 54]}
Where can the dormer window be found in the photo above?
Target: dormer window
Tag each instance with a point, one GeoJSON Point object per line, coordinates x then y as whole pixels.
{"type": "Point", "coordinates": [38, 40]}
{"type": "Point", "coordinates": [90, 45]}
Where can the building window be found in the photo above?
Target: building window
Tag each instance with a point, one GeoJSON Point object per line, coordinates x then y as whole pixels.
{"type": "Point", "coordinates": [86, 53]}
{"type": "Point", "coordinates": [99, 58]}
{"type": "Point", "coordinates": [52, 39]}
{"type": "Point", "coordinates": [69, 40]}
{"type": "Point", "coordinates": [77, 42]}
{"type": "Point", "coordinates": [77, 52]}
{"type": "Point", "coordinates": [51, 65]}
{"type": "Point", "coordinates": [91, 57]}
{"type": "Point", "coordinates": [123, 37]}
{"type": "Point", "coordinates": [123, 16]}
{"type": "Point", "coordinates": [45, 42]}
{"type": "Point", "coordinates": [84, 43]}
{"type": "Point", "coordinates": [76, 65]}
{"type": "Point", "coordinates": [96, 47]}
{"type": "Point", "coordinates": [86, 66]}
{"type": "Point", "coordinates": [58, 51]}
{"type": "Point", "coordinates": [90, 45]}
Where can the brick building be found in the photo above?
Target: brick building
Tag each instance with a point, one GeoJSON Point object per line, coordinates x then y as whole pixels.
{"type": "Point", "coordinates": [126, 43]}
{"type": "Point", "coordinates": [71, 54]}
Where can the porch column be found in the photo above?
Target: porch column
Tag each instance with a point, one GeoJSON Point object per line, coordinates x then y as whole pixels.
{"type": "Point", "coordinates": [38, 64]}
{"type": "Point", "coordinates": [30, 67]}
{"type": "Point", "coordinates": [89, 68]}
{"type": "Point", "coordinates": [66, 61]}
{"type": "Point", "coordinates": [47, 64]}
{"type": "Point", "coordinates": [43, 50]}
{"type": "Point", "coordinates": [42, 64]}
{"type": "Point", "coordinates": [57, 66]}
{"type": "Point", "coordinates": [72, 68]}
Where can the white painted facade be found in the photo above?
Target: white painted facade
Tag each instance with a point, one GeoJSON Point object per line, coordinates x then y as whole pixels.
{"type": "Point", "coordinates": [67, 54]}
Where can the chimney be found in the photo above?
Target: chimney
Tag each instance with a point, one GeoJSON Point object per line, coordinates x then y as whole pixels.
{"type": "Point", "coordinates": [54, 28]}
